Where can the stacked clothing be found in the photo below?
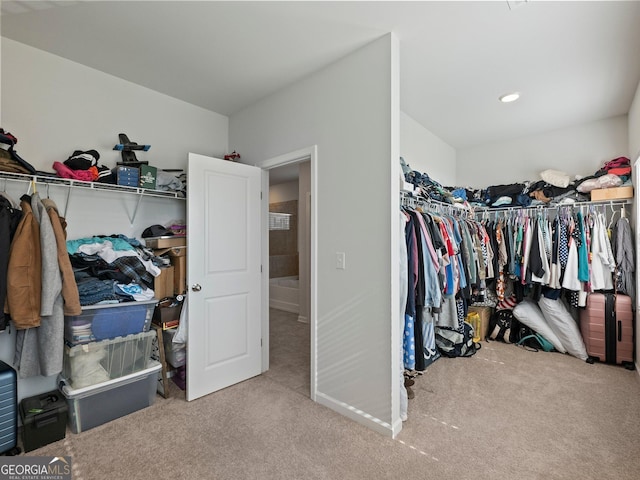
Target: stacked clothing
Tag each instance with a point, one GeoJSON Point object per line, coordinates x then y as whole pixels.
{"type": "Point", "coordinates": [172, 181]}
{"type": "Point", "coordinates": [10, 161]}
{"type": "Point", "coordinates": [555, 187]}
{"type": "Point", "coordinates": [83, 165]}
{"type": "Point", "coordinates": [112, 268]}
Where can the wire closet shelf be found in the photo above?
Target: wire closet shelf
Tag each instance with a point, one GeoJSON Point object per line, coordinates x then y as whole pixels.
{"type": "Point", "coordinates": [409, 199]}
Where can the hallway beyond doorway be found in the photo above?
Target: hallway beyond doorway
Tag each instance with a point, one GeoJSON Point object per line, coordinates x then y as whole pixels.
{"type": "Point", "coordinates": [289, 358]}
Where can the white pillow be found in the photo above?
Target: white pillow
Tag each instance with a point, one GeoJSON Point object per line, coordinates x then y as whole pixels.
{"type": "Point", "coordinates": [564, 326]}
{"type": "Point", "coordinates": [556, 178]}
{"type": "Point", "coordinates": [530, 314]}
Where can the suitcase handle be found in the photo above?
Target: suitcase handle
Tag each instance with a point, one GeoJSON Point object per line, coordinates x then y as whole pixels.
{"type": "Point", "coordinates": [619, 331]}
{"type": "Point", "coordinates": [46, 418]}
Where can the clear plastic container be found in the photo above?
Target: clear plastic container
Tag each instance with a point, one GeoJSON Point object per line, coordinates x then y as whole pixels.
{"type": "Point", "coordinates": [98, 404]}
{"type": "Point", "coordinates": [97, 362]}
{"type": "Point", "coordinates": [100, 322]}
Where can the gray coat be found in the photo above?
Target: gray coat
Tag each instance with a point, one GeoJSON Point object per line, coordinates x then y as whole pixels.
{"type": "Point", "coordinates": [39, 350]}
{"type": "Point", "coordinates": [625, 259]}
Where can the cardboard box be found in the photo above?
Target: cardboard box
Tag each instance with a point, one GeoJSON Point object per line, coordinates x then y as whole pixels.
{"type": "Point", "coordinates": [167, 317]}
{"type": "Point", "coordinates": [163, 283]}
{"type": "Point", "coordinates": [179, 274]}
{"type": "Point", "coordinates": [168, 325]}
{"type": "Point", "coordinates": [485, 315]}
{"type": "Point", "coordinates": [177, 252]}
{"type": "Point", "coordinates": [612, 193]}
{"type": "Point", "coordinates": [168, 241]}
{"type": "Point", "coordinates": [148, 175]}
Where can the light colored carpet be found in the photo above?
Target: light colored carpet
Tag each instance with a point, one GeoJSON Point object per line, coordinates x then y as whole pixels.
{"type": "Point", "coordinates": [502, 414]}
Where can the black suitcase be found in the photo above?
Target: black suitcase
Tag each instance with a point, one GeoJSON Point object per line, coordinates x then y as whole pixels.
{"type": "Point", "coordinates": [44, 419]}
{"type": "Point", "coordinates": [8, 410]}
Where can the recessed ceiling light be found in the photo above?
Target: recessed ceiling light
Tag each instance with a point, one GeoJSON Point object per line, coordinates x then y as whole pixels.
{"type": "Point", "coordinates": [509, 97]}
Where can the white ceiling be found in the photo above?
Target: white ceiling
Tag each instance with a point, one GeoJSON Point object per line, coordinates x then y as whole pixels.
{"type": "Point", "coordinates": [574, 62]}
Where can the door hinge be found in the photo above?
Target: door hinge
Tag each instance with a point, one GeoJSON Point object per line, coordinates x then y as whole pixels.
{"type": "Point", "coordinates": [260, 195]}
{"type": "Point", "coordinates": [261, 342]}
{"type": "Point", "coordinates": [260, 268]}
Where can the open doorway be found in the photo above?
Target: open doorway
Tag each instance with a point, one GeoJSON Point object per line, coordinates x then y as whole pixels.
{"type": "Point", "coordinates": [289, 275]}
{"type": "Point", "coordinates": [289, 335]}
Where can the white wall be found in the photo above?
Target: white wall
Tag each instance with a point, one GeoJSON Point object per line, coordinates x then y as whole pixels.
{"type": "Point", "coordinates": [350, 111]}
{"type": "Point", "coordinates": [582, 149]}
{"type": "Point", "coordinates": [427, 153]}
{"type": "Point", "coordinates": [283, 192]}
{"type": "Point", "coordinates": [634, 152]}
{"type": "Point", "coordinates": [634, 126]}
{"type": "Point", "coordinates": [55, 106]}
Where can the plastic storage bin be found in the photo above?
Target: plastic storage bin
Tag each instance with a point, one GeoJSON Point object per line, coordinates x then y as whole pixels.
{"type": "Point", "coordinates": [97, 362]}
{"type": "Point", "coordinates": [127, 176]}
{"type": "Point", "coordinates": [174, 353]}
{"type": "Point", "coordinates": [100, 322]}
{"type": "Point", "coordinates": [98, 404]}
{"type": "Point", "coordinates": [44, 419]}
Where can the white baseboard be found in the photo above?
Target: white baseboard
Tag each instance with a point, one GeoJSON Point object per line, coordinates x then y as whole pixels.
{"type": "Point", "coordinates": [286, 306]}
{"type": "Point", "coordinates": [359, 416]}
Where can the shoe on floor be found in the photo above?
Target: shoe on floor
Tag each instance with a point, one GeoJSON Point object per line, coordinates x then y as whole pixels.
{"type": "Point", "coordinates": [410, 393]}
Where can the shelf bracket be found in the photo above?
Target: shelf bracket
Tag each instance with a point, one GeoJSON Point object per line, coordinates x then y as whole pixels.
{"type": "Point", "coordinates": [66, 203]}
{"type": "Point", "coordinates": [135, 211]}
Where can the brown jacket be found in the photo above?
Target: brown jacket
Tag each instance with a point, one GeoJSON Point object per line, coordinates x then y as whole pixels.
{"type": "Point", "coordinates": [24, 274]}
{"type": "Point", "coordinates": [69, 286]}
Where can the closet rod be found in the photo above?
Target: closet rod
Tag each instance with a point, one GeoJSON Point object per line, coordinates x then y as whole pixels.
{"type": "Point", "coordinates": [408, 199]}
{"type": "Point", "coordinates": [611, 203]}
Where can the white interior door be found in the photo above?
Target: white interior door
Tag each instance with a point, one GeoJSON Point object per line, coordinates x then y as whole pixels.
{"type": "Point", "coordinates": [223, 273]}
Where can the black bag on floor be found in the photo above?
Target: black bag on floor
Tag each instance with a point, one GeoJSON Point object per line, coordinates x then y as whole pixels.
{"type": "Point", "coordinates": [452, 343]}
{"type": "Point", "coordinates": [500, 326]}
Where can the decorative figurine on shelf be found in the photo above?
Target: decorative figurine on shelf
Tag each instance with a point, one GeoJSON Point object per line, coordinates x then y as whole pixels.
{"type": "Point", "coordinates": [233, 156]}
{"type": "Point", "coordinates": [127, 148]}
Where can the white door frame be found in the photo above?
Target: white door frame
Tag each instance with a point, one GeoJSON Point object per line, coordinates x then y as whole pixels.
{"type": "Point", "coordinates": [306, 154]}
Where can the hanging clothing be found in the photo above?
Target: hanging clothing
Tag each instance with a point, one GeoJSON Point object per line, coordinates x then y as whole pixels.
{"type": "Point", "coordinates": [24, 272]}
{"type": "Point", "coordinates": [69, 287]}
{"type": "Point", "coordinates": [409, 346]}
{"type": "Point", "coordinates": [623, 244]}
{"type": "Point", "coordinates": [404, 273]}
{"type": "Point", "coordinates": [602, 261]}
{"type": "Point", "coordinates": [39, 350]}
{"type": "Point", "coordinates": [10, 217]}
{"type": "Point", "coordinates": [583, 256]}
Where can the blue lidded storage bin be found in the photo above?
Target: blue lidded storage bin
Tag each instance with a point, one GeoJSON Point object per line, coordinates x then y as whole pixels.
{"type": "Point", "coordinates": [102, 322]}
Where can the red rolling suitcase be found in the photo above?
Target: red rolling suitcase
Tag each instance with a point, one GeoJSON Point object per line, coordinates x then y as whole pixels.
{"type": "Point", "coordinates": [606, 325]}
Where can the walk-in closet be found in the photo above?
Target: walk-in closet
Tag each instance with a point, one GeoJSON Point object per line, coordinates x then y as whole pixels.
{"type": "Point", "coordinates": [479, 98]}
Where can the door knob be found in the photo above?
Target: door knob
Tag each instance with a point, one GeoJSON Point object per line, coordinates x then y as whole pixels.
{"type": "Point", "coordinates": [196, 288]}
